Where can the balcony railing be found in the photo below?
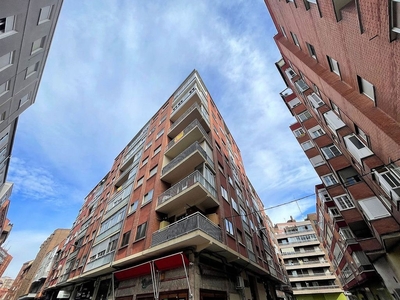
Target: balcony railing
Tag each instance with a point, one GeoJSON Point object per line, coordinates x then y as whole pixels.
{"type": "Point", "coordinates": [185, 131]}
{"type": "Point", "coordinates": [183, 155]}
{"type": "Point", "coordinates": [101, 261]}
{"type": "Point", "coordinates": [196, 221]}
{"type": "Point", "coordinates": [181, 100]}
{"type": "Point", "coordinates": [192, 179]}
{"type": "Point", "coordinates": [311, 275]}
{"type": "Point", "coordinates": [315, 287]}
{"type": "Point", "coordinates": [202, 111]}
{"type": "Point", "coordinates": [299, 242]}
{"type": "Point", "coordinates": [302, 252]}
{"type": "Point", "coordinates": [307, 263]}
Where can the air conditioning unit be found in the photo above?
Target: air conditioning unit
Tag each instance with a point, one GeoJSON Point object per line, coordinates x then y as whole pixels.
{"type": "Point", "coordinates": [239, 283]}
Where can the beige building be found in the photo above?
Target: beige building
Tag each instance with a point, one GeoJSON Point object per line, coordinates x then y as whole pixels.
{"type": "Point", "coordinates": [306, 262]}
{"type": "Point", "coordinates": [29, 282]}
{"type": "Point", "coordinates": [26, 32]}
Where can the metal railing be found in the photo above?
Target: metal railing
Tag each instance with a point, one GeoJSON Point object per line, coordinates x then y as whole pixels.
{"type": "Point", "coordinates": [179, 101]}
{"type": "Point", "coordinates": [190, 180]}
{"type": "Point", "coordinates": [98, 262]}
{"type": "Point", "coordinates": [307, 263]}
{"type": "Point", "coordinates": [300, 241]}
{"type": "Point", "coordinates": [315, 287]}
{"type": "Point", "coordinates": [301, 252]}
{"type": "Point", "coordinates": [196, 221]}
{"type": "Point", "coordinates": [202, 111]}
{"type": "Point", "coordinates": [188, 128]}
{"type": "Point", "coordinates": [311, 275]}
{"type": "Point", "coordinates": [184, 154]}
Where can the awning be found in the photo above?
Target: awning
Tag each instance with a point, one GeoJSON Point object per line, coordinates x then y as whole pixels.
{"type": "Point", "coordinates": [169, 262]}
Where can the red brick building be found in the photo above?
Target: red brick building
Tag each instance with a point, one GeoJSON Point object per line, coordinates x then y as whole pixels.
{"type": "Point", "coordinates": [175, 217]}
{"type": "Point", "coordinates": [340, 61]}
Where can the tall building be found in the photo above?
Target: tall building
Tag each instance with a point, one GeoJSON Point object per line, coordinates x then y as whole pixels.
{"type": "Point", "coordinates": [340, 60]}
{"type": "Point", "coordinates": [175, 217]}
{"type": "Point", "coordinates": [5, 259]}
{"type": "Point", "coordinates": [5, 285]}
{"type": "Point", "coordinates": [306, 263]}
{"type": "Point", "coordinates": [30, 280]}
{"type": "Point", "coordinates": [26, 31]}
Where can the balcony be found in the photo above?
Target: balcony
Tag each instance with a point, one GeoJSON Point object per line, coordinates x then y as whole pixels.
{"type": "Point", "coordinates": [108, 232]}
{"type": "Point", "coordinates": [183, 164]}
{"type": "Point", "coordinates": [309, 277]}
{"type": "Point", "coordinates": [195, 112]}
{"type": "Point", "coordinates": [192, 93]}
{"type": "Point", "coordinates": [323, 289]}
{"type": "Point", "coordinates": [115, 205]}
{"type": "Point", "coordinates": [192, 133]}
{"type": "Point", "coordinates": [179, 231]}
{"type": "Point", "coordinates": [194, 190]}
{"type": "Point", "coordinates": [101, 261]}
{"type": "Point", "coordinates": [304, 253]}
{"type": "Point", "coordinates": [388, 179]}
{"type": "Point", "coordinates": [307, 242]}
{"type": "Point", "coordinates": [307, 264]}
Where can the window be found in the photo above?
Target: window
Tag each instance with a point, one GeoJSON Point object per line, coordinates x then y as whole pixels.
{"type": "Point", "coordinates": [148, 146]}
{"type": "Point", "coordinates": [6, 60]}
{"type": "Point", "coordinates": [38, 45]}
{"type": "Point", "coordinates": [283, 31]}
{"type": "Point", "coordinates": [133, 207]}
{"type": "Point", "coordinates": [139, 182]}
{"type": "Point", "coordinates": [243, 215]}
{"type": "Point", "coordinates": [361, 133]}
{"type": "Point", "coordinates": [311, 51]}
{"type": "Point", "coordinates": [4, 87]}
{"type": "Point", "coordinates": [317, 161]}
{"type": "Point", "coordinates": [335, 108]}
{"type": "Point", "coordinates": [295, 40]}
{"type": "Point", "coordinates": [334, 65]}
{"type": "Point", "coordinates": [230, 180]}
{"type": "Point", "coordinates": [343, 202]}
{"type": "Point", "coordinates": [357, 149]}
{"type": "Point", "coordinates": [125, 238]}
{"type": "Point", "coordinates": [395, 16]}
{"type": "Point", "coordinates": [307, 145]}
{"type": "Point", "coordinates": [373, 208]}
{"type": "Point", "coordinates": [235, 205]}
{"type": "Point", "coordinates": [144, 161]}
{"type": "Point", "coordinates": [147, 197]}
{"type": "Point", "coordinates": [224, 193]}
{"type": "Point", "coordinates": [366, 88]}
{"type": "Point", "coordinates": [330, 151]}
{"type": "Point", "coordinates": [239, 236]}
{"type": "Point", "coordinates": [157, 150]}
{"type": "Point", "coordinates": [334, 212]}
{"type": "Point", "coordinates": [299, 132]}
{"type": "Point", "coordinates": [329, 179]}
{"type": "Point", "coordinates": [333, 121]}
{"type": "Point", "coordinates": [45, 14]}
{"type": "Point", "coordinates": [7, 24]}
{"type": "Point", "coordinates": [293, 103]}
{"type": "Point", "coordinates": [32, 70]}
{"type": "Point", "coordinates": [153, 171]}
{"type": "Point", "coordinates": [160, 133]}
{"type": "Point", "coordinates": [229, 226]}
{"type": "Point", "coordinates": [305, 115]}
{"type": "Point", "coordinates": [141, 231]}
{"type": "Point", "coordinates": [316, 131]}
{"type": "Point", "coordinates": [346, 233]}
{"type": "Point", "coordinates": [162, 119]}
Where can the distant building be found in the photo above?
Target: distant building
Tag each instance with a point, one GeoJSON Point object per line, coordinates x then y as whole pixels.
{"type": "Point", "coordinates": [5, 259]}
{"type": "Point", "coordinates": [5, 285]}
{"type": "Point", "coordinates": [340, 64]}
{"type": "Point", "coordinates": [29, 282]}
{"type": "Point", "coordinates": [306, 263]}
{"type": "Point", "coordinates": [26, 32]}
{"type": "Point", "coordinates": [175, 218]}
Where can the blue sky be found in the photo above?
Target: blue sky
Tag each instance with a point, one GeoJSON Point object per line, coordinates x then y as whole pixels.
{"type": "Point", "coordinates": [111, 66]}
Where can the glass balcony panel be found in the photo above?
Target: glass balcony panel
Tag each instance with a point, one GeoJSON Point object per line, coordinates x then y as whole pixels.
{"type": "Point", "coordinates": [101, 261]}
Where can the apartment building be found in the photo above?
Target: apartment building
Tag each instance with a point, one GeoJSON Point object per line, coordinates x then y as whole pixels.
{"type": "Point", "coordinates": [175, 217]}
{"type": "Point", "coordinates": [26, 31]}
{"type": "Point", "coordinates": [5, 285]}
{"type": "Point", "coordinates": [30, 280]}
{"type": "Point", "coordinates": [5, 259]}
{"type": "Point", "coordinates": [340, 64]}
{"type": "Point", "coordinates": [306, 263]}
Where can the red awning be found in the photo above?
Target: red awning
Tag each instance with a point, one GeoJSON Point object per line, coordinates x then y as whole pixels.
{"type": "Point", "coordinates": [169, 262]}
{"type": "Point", "coordinates": [135, 271]}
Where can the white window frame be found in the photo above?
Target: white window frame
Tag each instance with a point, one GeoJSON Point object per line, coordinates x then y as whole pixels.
{"type": "Point", "coordinates": [333, 121]}
{"type": "Point", "coordinates": [9, 25]}
{"type": "Point", "coordinates": [373, 208]}
{"type": "Point", "coordinates": [235, 205]}
{"type": "Point", "coordinates": [32, 70]}
{"type": "Point", "coordinates": [316, 132]}
{"type": "Point", "coordinates": [366, 88]}
{"type": "Point", "coordinates": [6, 60]}
{"type": "Point", "coordinates": [295, 39]}
{"type": "Point", "coordinates": [307, 145]}
{"type": "Point", "coordinates": [160, 133]}
{"type": "Point", "coordinates": [317, 161]}
{"type": "Point", "coordinates": [329, 179]}
{"type": "Point", "coordinates": [344, 202]}
{"type": "Point", "coordinates": [334, 212]}
{"type": "Point", "coordinates": [346, 233]}
{"type": "Point", "coordinates": [294, 102]}
{"type": "Point", "coordinates": [148, 197]}
{"type": "Point", "coordinates": [331, 151]}
{"type": "Point", "coordinates": [283, 31]}
{"type": "Point", "coordinates": [229, 227]}
{"type": "Point", "coordinates": [153, 171]}
{"type": "Point", "coordinates": [224, 193]}
{"type": "Point", "coordinates": [315, 100]}
{"type": "Point", "coordinates": [4, 87]}
{"type": "Point", "coordinates": [334, 65]}
{"type": "Point", "coordinates": [157, 150]}
{"type": "Point", "coordinates": [304, 116]}
{"type": "Point", "coordinates": [38, 45]}
{"type": "Point", "coordinates": [388, 178]}
{"type": "Point", "coordinates": [311, 51]}
{"type": "Point", "coordinates": [299, 132]}
{"type": "Point", "coordinates": [45, 14]}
